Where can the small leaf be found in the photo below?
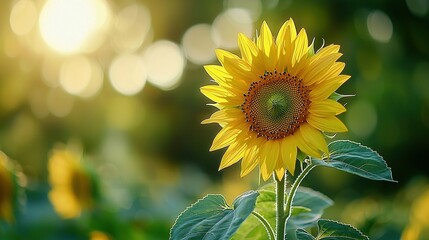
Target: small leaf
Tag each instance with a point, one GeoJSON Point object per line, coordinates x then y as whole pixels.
{"type": "Point", "coordinates": [336, 96]}
{"type": "Point", "coordinates": [332, 230]}
{"type": "Point", "coordinates": [357, 159]}
{"type": "Point", "coordinates": [211, 218]}
{"type": "Point", "coordinates": [301, 234]}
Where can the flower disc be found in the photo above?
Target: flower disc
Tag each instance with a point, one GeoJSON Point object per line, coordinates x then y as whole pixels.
{"type": "Point", "coordinates": [276, 105]}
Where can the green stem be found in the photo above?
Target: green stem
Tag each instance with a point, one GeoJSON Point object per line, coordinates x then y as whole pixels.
{"type": "Point", "coordinates": [265, 223]}
{"type": "Point", "coordinates": [280, 208]}
{"type": "Point", "coordinates": [294, 187]}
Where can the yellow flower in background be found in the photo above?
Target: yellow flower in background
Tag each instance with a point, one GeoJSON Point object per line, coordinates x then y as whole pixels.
{"type": "Point", "coordinates": [274, 100]}
{"type": "Point", "coordinates": [7, 189]}
{"type": "Point", "coordinates": [418, 228]}
{"type": "Point", "coordinates": [98, 235]}
{"type": "Point", "coordinates": [73, 187]}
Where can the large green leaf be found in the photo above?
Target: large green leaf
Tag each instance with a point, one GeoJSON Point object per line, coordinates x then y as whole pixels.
{"type": "Point", "coordinates": [313, 200]}
{"type": "Point", "coordinates": [308, 206]}
{"type": "Point", "coordinates": [212, 219]}
{"type": "Point", "coordinates": [357, 159]}
{"type": "Point", "coordinates": [332, 230]}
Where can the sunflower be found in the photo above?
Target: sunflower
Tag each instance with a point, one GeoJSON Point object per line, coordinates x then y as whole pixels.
{"type": "Point", "coordinates": [275, 100]}
{"type": "Point", "coordinates": [73, 187]}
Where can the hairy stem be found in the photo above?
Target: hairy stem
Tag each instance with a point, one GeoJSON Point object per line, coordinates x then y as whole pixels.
{"type": "Point", "coordinates": [280, 208]}
{"type": "Point", "coordinates": [293, 189]}
{"type": "Point", "coordinates": [266, 224]}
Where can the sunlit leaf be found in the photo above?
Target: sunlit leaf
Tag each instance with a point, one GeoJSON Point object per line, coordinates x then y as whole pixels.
{"type": "Point", "coordinates": [212, 219]}
{"type": "Point", "coordinates": [357, 159]}
{"type": "Point", "coordinates": [332, 230]}
{"type": "Point", "coordinates": [308, 206]}
{"type": "Point", "coordinates": [313, 200]}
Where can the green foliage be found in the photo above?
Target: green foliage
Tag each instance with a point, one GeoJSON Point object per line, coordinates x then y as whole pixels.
{"type": "Point", "coordinates": [356, 159]}
{"type": "Point", "coordinates": [310, 199]}
{"type": "Point", "coordinates": [308, 206]}
{"type": "Point", "coordinates": [212, 218]}
{"type": "Point", "coordinates": [332, 230]}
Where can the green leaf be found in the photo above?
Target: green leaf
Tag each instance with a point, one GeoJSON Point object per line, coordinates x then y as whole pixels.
{"type": "Point", "coordinates": [298, 210]}
{"type": "Point", "coordinates": [265, 206]}
{"type": "Point", "coordinates": [211, 218]}
{"type": "Point", "coordinates": [310, 199]}
{"type": "Point", "coordinates": [357, 159]}
{"type": "Point", "coordinates": [332, 230]}
{"type": "Point", "coordinates": [336, 96]}
{"type": "Point", "coordinates": [308, 206]}
{"type": "Point", "coordinates": [301, 234]}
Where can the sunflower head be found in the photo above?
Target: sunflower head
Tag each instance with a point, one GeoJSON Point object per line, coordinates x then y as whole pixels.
{"type": "Point", "coordinates": [74, 187]}
{"type": "Point", "coordinates": [274, 100]}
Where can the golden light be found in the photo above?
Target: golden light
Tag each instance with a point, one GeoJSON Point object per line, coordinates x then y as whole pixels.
{"type": "Point", "coordinates": [131, 28]}
{"type": "Point", "coordinates": [81, 76]}
{"type": "Point", "coordinates": [165, 63]}
{"type": "Point", "coordinates": [73, 26]}
{"type": "Point", "coordinates": [228, 24]}
{"type": "Point", "coordinates": [23, 17]}
{"type": "Point", "coordinates": [198, 44]}
{"type": "Point", "coordinates": [127, 74]}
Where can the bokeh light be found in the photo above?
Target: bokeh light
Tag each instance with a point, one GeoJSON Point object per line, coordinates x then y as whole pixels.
{"type": "Point", "coordinates": [380, 26]}
{"type": "Point", "coordinates": [72, 26]}
{"type": "Point", "coordinates": [198, 44]}
{"type": "Point", "coordinates": [165, 63]}
{"type": "Point", "coordinates": [254, 7]}
{"type": "Point", "coordinates": [418, 7]}
{"type": "Point", "coordinates": [361, 118]}
{"type": "Point", "coordinates": [131, 27]}
{"type": "Point", "coordinates": [81, 76]}
{"type": "Point", "coordinates": [23, 17]}
{"type": "Point", "coordinates": [127, 74]}
{"type": "Point", "coordinates": [228, 24]}
{"type": "Point", "coordinates": [59, 104]}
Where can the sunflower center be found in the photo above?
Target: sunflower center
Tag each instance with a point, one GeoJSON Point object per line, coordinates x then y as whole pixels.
{"type": "Point", "coordinates": [276, 105]}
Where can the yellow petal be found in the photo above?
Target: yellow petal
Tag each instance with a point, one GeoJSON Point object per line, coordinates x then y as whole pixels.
{"type": "Point", "coordinates": [269, 156]}
{"type": "Point", "coordinates": [249, 161]}
{"type": "Point", "coordinates": [288, 153]}
{"type": "Point", "coordinates": [326, 124]}
{"type": "Point", "coordinates": [325, 108]}
{"type": "Point", "coordinates": [224, 116]}
{"type": "Point", "coordinates": [314, 137]}
{"type": "Point", "coordinates": [222, 54]}
{"type": "Point", "coordinates": [225, 137]}
{"type": "Point", "coordinates": [265, 40]}
{"type": "Point", "coordinates": [240, 70]}
{"type": "Point", "coordinates": [301, 47]}
{"type": "Point", "coordinates": [287, 33]}
{"type": "Point", "coordinates": [319, 69]}
{"type": "Point", "coordinates": [304, 146]}
{"type": "Point", "coordinates": [247, 48]}
{"type": "Point", "coordinates": [219, 74]}
{"type": "Point", "coordinates": [324, 90]}
{"type": "Point", "coordinates": [215, 93]}
{"type": "Point", "coordinates": [280, 171]}
{"type": "Point", "coordinates": [232, 155]}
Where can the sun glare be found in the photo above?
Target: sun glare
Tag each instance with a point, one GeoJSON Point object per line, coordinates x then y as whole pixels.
{"type": "Point", "coordinates": [71, 26]}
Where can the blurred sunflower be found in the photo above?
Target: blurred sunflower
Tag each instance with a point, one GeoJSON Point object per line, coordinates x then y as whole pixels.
{"type": "Point", "coordinates": [74, 188]}
{"type": "Point", "coordinates": [8, 189]}
{"type": "Point", "coordinates": [274, 100]}
{"type": "Point", "coordinates": [418, 227]}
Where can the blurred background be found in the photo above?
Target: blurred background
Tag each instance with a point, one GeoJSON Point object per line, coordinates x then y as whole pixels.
{"type": "Point", "coordinates": [121, 79]}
